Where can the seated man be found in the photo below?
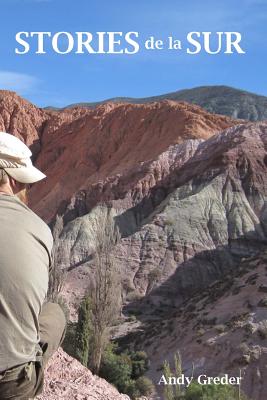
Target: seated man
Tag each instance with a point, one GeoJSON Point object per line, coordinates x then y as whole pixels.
{"type": "Point", "coordinates": [31, 329]}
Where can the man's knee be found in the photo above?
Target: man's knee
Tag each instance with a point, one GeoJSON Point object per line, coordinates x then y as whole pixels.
{"type": "Point", "coordinates": [52, 322]}
{"type": "Point", "coordinates": [54, 309]}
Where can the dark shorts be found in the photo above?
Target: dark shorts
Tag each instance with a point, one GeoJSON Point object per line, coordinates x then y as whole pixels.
{"type": "Point", "coordinates": [30, 377]}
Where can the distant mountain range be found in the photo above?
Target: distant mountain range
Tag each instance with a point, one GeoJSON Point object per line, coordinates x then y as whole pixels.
{"type": "Point", "coordinates": [223, 100]}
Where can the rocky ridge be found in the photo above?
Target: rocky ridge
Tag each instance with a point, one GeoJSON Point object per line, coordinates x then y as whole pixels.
{"type": "Point", "coordinates": [223, 100]}
{"type": "Point", "coordinates": [67, 379]}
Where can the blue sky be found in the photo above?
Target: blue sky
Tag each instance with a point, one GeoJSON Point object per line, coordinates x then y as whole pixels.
{"type": "Point", "coordinates": [53, 79]}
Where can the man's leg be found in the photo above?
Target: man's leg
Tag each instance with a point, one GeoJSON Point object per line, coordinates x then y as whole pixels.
{"type": "Point", "coordinates": [52, 323]}
{"type": "Point", "coordinates": [23, 387]}
{"type": "Point", "coordinates": [30, 382]}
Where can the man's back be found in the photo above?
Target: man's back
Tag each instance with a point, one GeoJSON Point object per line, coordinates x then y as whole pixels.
{"type": "Point", "coordinates": [25, 245]}
{"type": "Point", "coordinates": [31, 330]}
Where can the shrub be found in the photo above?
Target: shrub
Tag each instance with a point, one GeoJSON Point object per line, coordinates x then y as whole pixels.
{"type": "Point", "coordinates": [262, 329]}
{"type": "Point", "coordinates": [220, 328]}
{"type": "Point", "coordinates": [144, 385]}
{"type": "Point", "coordinates": [201, 331]}
{"type": "Point", "coordinates": [211, 392]}
{"type": "Point", "coordinates": [154, 275]}
{"type": "Point", "coordinates": [169, 221]}
{"type": "Point", "coordinates": [132, 390]}
{"type": "Point", "coordinates": [125, 371]}
{"type": "Point", "coordinates": [194, 392]}
{"type": "Point", "coordinates": [140, 363]}
{"type": "Point", "coordinates": [263, 302]}
{"type": "Point", "coordinates": [250, 328]}
{"type": "Point", "coordinates": [133, 296]}
{"type": "Point", "coordinates": [244, 348]}
{"type": "Point", "coordinates": [116, 369]}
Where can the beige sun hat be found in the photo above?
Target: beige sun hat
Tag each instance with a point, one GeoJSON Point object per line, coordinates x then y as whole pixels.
{"type": "Point", "coordinates": [15, 159]}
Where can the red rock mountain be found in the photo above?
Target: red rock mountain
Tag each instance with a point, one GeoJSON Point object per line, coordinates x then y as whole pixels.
{"type": "Point", "coordinates": [82, 148]}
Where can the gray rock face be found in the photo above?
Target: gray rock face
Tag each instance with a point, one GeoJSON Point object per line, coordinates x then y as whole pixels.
{"type": "Point", "coordinates": [194, 224]}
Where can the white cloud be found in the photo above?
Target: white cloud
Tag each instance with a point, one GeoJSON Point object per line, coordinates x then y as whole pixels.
{"type": "Point", "coordinates": [20, 83]}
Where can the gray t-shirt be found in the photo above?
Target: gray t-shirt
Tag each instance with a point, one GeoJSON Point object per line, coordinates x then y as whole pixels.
{"type": "Point", "coordinates": [25, 256]}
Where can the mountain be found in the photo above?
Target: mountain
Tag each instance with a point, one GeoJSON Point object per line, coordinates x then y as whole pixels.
{"type": "Point", "coordinates": [100, 154]}
{"type": "Point", "coordinates": [223, 100]}
{"type": "Point", "coordinates": [188, 191]}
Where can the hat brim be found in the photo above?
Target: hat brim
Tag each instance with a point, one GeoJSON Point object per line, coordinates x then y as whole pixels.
{"type": "Point", "coordinates": [28, 174]}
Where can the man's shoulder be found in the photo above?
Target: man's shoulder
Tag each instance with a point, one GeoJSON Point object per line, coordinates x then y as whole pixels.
{"type": "Point", "coordinates": [33, 221]}
{"type": "Point", "coordinates": [42, 226]}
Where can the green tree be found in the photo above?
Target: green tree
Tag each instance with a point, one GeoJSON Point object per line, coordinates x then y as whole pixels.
{"type": "Point", "coordinates": [56, 274]}
{"type": "Point", "coordinates": [105, 290]}
{"type": "Point", "coordinates": [83, 331]}
{"type": "Point", "coordinates": [178, 372]}
{"type": "Point", "coordinates": [140, 363]}
{"type": "Point", "coordinates": [168, 390]}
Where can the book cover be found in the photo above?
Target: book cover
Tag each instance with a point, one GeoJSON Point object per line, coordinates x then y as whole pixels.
{"type": "Point", "coordinates": [149, 120]}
